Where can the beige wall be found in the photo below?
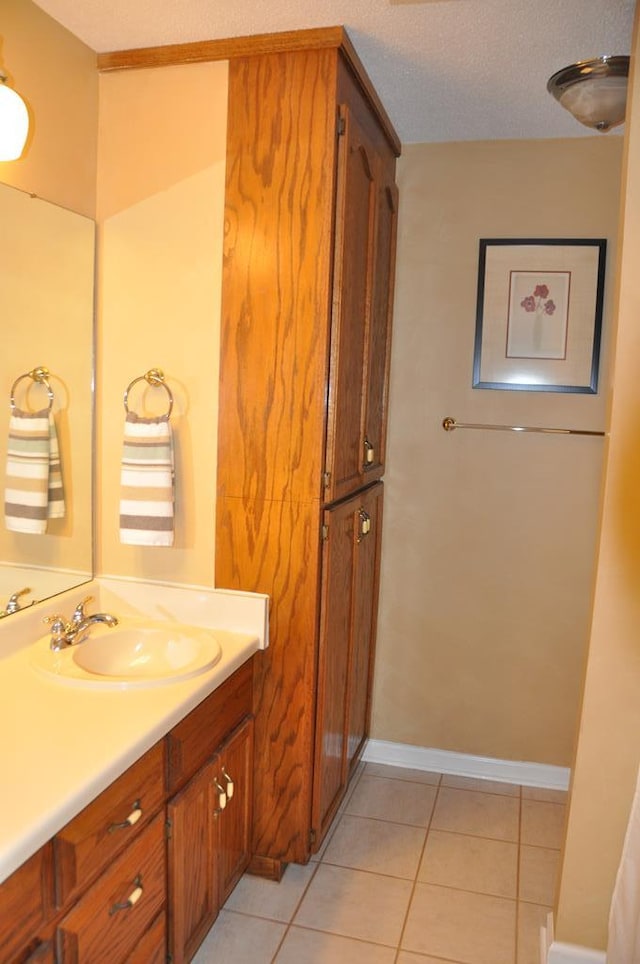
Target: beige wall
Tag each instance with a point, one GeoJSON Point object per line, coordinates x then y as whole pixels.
{"type": "Point", "coordinates": [161, 169]}
{"type": "Point", "coordinates": [489, 537]}
{"type": "Point", "coordinates": [608, 753]}
{"type": "Point", "coordinates": [56, 75]}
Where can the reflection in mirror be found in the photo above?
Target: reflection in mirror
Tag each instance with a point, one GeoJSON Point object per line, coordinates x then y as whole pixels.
{"type": "Point", "coordinates": [46, 307]}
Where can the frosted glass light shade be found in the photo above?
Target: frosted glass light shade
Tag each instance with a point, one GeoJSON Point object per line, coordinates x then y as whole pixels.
{"type": "Point", "coordinates": [14, 123]}
{"type": "Point", "coordinates": [594, 91]}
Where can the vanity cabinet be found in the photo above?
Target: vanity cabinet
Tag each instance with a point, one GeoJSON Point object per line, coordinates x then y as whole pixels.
{"type": "Point", "coordinates": [208, 820]}
{"type": "Point", "coordinates": [144, 868]}
{"type": "Point", "coordinates": [310, 213]}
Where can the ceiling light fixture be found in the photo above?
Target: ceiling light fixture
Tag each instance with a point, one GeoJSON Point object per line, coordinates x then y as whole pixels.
{"type": "Point", "coordinates": [14, 122]}
{"type": "Point", "coordinates": [594, 91]}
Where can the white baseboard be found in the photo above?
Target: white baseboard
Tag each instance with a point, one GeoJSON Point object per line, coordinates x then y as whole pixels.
{"type": "Point", "coordinates": [572, 954]}
{"type": "Point", "coordinates": [466, 765]}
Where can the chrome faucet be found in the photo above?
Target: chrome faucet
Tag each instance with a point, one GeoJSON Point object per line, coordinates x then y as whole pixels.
{"type": "Point", "coordinates": [75, 631]}
{"type": "Point", "coordinates": [13, 605]}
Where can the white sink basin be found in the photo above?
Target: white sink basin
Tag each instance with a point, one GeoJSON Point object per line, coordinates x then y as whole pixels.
{"type": "Point", "coordinates": [133, 653]}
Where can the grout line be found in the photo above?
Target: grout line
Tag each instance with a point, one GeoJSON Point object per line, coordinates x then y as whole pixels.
{"type": "Point", "coordinates": [517, 927]}
{"type": "Point", "coordinates": [295, 911]}
{"type": "Point", "coordinates": [415, 879]}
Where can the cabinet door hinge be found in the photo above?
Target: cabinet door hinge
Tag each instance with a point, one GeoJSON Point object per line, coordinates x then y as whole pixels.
{"type": "Point", "coordinates": [325, 536]}
{"type": "Point", "coordinates": [326, 479]}
{"type": "Point", "coordinates": [167, 829]}
{"type": "Point", "coordinates": [341, 125]}
{"type": "Point", "coordinates": [312, 838]}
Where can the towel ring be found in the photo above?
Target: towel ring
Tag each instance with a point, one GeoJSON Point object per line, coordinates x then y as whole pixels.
{"type": "Point", "coordinates": [155, 378]}
{"type": "Point", "coordinates": [40, 375]}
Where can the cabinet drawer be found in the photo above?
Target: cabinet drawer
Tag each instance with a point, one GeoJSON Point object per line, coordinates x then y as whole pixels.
{"type": "Point", "coordinates": [195, 740]}
{"type": "Point", "coordinates": [103, 926]}
{"type": "Point", "coordinates": [152, 946]}
{"type": "Point", "coordinates": [92, 839]}
{"type": "Point", "coordinates": [26, 899]}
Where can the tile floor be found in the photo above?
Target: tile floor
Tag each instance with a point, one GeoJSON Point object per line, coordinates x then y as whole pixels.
{"type": "Point", "coordinates": [418, 868]}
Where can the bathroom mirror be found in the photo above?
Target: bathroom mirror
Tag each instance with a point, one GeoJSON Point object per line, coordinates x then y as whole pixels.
{"type": "Point", "coordinates": [47, 316]}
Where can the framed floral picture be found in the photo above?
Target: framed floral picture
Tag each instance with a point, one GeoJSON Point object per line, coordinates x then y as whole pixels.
{"type": "Point", "coordinates": [539, 314]}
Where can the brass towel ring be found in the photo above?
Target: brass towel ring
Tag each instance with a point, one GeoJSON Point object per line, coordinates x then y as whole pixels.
{"type": "Point", "coordinates": [40, 375]}
{"type": "Point", "coordinates": [155, 378]}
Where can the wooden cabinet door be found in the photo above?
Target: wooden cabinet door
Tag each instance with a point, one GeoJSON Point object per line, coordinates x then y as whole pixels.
{"type": "Point", "coordinates": [333, 662]}
{"type": "Point", "coordinates": [354, 245]}
{"type": "Point", "coordinates": [347, 637]}
{"type": "Point", "coordinates": [365, 610]}
{"type": "Point", "coordinates": [235, 774]}
{"type": "Point", "coordinates": [193, 877]}
{"type": "Point", "coordinates": [378, 339]}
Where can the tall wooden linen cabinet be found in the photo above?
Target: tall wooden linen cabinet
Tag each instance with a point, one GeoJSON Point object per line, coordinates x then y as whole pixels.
{"type": "Point", "coordinates": [310, 231]}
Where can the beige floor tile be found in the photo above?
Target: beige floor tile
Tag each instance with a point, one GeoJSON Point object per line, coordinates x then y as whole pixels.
{"type": "Point", "coordinates": [241, 939]}
{"type": "Point", "coordinates": [542, 824]}
{"type": "Point", "coordinates": [484, 786]}
{"type": "Point", "coordinates": [395, 800]}
{"type": "Point", "coordinates": [303, 946]}
{"type": "Point", "coordinates": [266, 898]}
{"type": "Point", "coordinates": [354, 904]}
{"type": "Point", "coordinates": [531, 918]}
{"type": "Point", "coordinates": [544, 794]}
{"type": "Point", "coordinates": [402, 773]}
{"type": "Point", "coordinates": [460, 926]}
{"type": "Point", "coordinates": [479, 814]}
{"type": "Point", "coordinates": [538, 874]}
{"type": "Point", "coordinates": [470, 863]}
{"type": "Point", "coordinates": [376, 846]}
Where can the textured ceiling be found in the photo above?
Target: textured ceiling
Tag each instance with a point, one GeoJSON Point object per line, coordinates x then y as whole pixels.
{"type": "Point", "coordinates": [446, 70]}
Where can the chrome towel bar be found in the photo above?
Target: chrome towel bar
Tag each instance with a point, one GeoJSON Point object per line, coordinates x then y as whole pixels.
{"type": "Point", "coordinates": [449, 424]}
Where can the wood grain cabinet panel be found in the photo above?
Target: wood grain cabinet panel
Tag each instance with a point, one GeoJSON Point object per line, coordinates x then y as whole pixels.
{"type": "Point", "coordinates": [193, 877]}
{"type": "Point", "coordinates": [103, 829]}
{"type": "Point", "coordinates": [365, 576]}
{"type": "Point", "coordinates": [235, 775]}
{"type": "Point", "coordinates": [196, 738]}
{"type": "Point", "coordinates": [209, 841]}
{"type": "Point", "coordinates": [152, 946]}
{"type": "Point", "coordinates": [26, 902]}
{"type": "Point", "coordinates": [346, 648]}
{"type": "Point", "coordinates": [108, 921]}
{"type": "Point", "coordinates": [307, 290]}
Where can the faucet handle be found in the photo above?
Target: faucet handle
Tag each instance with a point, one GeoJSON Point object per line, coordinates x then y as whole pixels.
{"type": "Point", "coordinates": [13, 605]}
{"type": "Point", "coordinates": [59, 631]}
{"type": "Point", "coordinates": [79, 613]}
{"type": "Point", "coordinates": [57, 622]}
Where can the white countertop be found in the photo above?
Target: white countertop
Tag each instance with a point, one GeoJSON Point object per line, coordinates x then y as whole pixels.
{"type": "Point", "coordinates": [62, 744]}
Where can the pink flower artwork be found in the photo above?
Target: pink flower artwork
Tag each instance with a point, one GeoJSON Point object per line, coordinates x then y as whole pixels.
{"type": "Point", "coordinates": [539, 302]}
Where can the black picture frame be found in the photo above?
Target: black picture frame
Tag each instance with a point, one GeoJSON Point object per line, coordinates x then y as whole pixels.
{"type": "Point", "coordinates": [539, 314]}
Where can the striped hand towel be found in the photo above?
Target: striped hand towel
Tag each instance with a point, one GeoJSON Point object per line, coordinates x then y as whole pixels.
{"type": "Point", "coordinates": [147, 482]}
{"type": "Point", "coordinates": [33, 488]}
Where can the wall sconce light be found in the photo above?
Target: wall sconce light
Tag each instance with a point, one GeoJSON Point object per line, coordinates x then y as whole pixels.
{"type": "Point", "coordinates": [14, 122]}
{"type": "Point", "coordinates": [594, 91]}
